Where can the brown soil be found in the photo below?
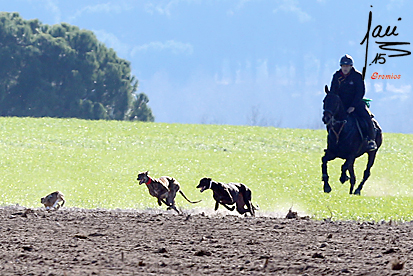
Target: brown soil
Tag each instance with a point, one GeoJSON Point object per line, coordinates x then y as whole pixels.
{"type": "Point", "coordinates": [131, 242]}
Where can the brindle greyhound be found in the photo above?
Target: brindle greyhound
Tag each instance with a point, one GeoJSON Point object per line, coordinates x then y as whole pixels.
{"type": "Point", "coordinates": [229, 194]}
{"type": "Point", "coordinates": [163, 188]}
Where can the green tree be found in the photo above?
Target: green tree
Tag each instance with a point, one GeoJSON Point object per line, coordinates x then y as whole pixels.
{"type": "Point", "coordinates": [141, 111]}
{"type": "Point", "coordinates": [62, 71]}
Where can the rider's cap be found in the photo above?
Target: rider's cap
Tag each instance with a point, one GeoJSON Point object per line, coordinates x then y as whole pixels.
{"type": "Point", "coordinates": [346, 60]}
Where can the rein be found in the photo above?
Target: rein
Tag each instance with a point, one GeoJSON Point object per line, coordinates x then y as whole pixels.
{"type": "Point", "coordinates": [332, 122]}
{"type": "Point", "coordinates": [337, 134]}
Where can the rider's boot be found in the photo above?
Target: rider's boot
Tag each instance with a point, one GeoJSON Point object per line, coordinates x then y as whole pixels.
{"type": "Point", "coordinates": [371, 143]}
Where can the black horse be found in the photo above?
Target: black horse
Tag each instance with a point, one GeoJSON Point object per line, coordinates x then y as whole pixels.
{"type": "Point", "coordinates": [345, 140]}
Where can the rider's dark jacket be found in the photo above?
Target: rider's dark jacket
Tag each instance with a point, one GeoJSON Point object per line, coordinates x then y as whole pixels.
{"type": "Point", "coordinates": [349, 88]}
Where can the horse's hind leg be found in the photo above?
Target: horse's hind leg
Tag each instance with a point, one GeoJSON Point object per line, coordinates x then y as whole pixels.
{"type": "Point", "coordinates": [371, 158]}
{"type": "Point", "coordinates": [352, 177]}
{"type": "Point", "coordinates": [344, 168]}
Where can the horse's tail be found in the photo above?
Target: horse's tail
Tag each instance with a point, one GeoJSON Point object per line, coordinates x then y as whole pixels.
{"type": "Point", "coordinates": [379, 135]}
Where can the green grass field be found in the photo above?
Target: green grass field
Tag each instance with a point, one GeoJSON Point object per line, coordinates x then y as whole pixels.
{"type": "Point", "coordinates": [95, 164]}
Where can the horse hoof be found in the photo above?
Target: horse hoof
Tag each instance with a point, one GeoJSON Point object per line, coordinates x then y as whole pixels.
{"type": "Point", "coordinates": [344, 179]}
{"type": "Point", "coordinates": [357, 192]}
{"type": "Point", "coordinates": [327, 189]}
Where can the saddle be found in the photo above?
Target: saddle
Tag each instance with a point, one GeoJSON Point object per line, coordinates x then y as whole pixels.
{"type": "Point", "coordinates": [367, 103]}
{"type": "Point", "coordinates": [363, 125]}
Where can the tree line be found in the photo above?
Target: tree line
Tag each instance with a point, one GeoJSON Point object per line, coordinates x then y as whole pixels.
{"type": "Point", "coordinates": [63, 71]}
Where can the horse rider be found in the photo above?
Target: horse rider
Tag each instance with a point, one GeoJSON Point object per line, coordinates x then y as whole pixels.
{"type": "Point", "coordinates": [348, 84]}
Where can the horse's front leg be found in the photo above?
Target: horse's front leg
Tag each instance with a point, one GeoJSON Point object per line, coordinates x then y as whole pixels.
{"type": "Point", "coordinates": [370, 162]}
{"type": "Point", "coordinates": [327, 157]}
{"type": "Point", "coordinates": [344, 169]}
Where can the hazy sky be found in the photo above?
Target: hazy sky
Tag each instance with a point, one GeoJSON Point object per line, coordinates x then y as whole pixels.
{"type": "Point", "coordinates": [246, 61]}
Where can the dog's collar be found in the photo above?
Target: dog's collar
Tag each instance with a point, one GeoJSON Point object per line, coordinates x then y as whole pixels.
{"type": "Point", "coordinates": [210, 184]}
{"type": "Point", "coordinates": [149, 182]}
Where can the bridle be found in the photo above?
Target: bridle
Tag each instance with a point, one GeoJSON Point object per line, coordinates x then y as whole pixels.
{"type": "Point", "coordinates": [332, 122]}
{"type": "Point", "coordinates": [337, 134]}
